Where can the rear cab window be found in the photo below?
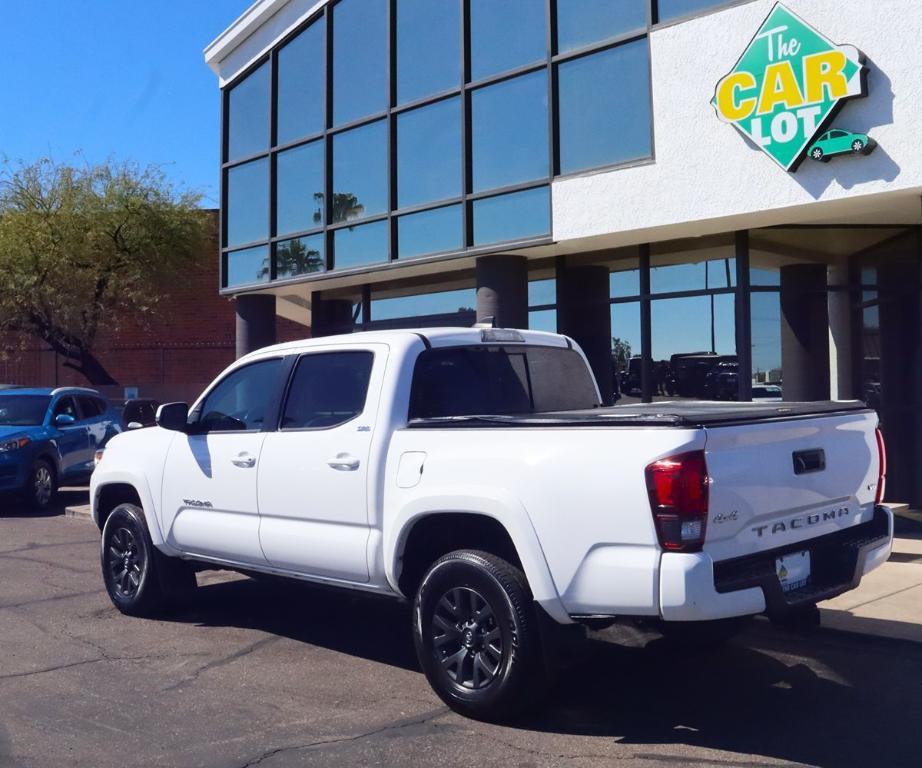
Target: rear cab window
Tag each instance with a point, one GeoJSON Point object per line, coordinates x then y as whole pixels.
{"type": "Point", "coordinates": [500, 380]}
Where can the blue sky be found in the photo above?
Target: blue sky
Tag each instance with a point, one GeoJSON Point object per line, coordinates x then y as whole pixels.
{"type": "Point", "coordinates": [114, 78]}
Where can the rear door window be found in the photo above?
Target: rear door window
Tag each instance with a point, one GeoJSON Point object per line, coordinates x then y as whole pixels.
{"type": "Point", "coordinates": [328, 389]}
{"type": "Point", "coordinates": [89, 407]}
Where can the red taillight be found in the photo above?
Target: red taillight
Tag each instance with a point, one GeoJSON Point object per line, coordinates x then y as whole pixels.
{"type": "Point", "coordinates": [882, 470]}
{"type": "Point", "coordinates": [678, 490]}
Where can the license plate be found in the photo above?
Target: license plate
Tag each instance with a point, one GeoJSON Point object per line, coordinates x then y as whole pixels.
{"type": "Point", "coordinates": [793, 570]}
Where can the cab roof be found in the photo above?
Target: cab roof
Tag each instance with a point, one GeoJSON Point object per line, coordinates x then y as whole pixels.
{"type": "Point", "coordinates": [430, 337]}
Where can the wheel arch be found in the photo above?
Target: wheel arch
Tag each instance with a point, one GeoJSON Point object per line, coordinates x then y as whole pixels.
{"type": "Point", "coordinates": [114, 489]}
{"type": "Point", "coordinates": [469, 523]}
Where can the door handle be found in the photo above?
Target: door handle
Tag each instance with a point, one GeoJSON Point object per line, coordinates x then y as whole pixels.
{"type": "Point", "coordinates": [244, 460]}
{"type": "Point", "coordinates": [344, 462]}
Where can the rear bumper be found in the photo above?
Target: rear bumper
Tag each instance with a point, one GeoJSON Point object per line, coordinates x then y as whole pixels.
{"type": "Point", "coordinates": [694, 588]}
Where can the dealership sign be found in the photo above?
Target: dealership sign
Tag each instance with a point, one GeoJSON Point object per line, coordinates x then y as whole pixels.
{"type": "Point", "coordinates": [788, 86]}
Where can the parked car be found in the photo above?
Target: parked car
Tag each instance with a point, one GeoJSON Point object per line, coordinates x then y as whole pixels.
{"type": "Point", "coordinates": [767, 393]}
{"type": "Point", "coordinates": [839, 142]}
{"type": "Point", "coordinates": [138, 413]}
{"type": "Point", "coordinates": [474, 473]}
{"type": "Point", "coordinates": [48, 438]}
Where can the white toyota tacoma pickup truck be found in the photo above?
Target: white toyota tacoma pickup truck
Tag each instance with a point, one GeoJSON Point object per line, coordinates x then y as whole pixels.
{"type": "Point", "coordinates": [474, 473]}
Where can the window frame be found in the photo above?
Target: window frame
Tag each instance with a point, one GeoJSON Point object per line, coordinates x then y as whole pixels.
{"type": "Point", "coordinates": [289, 384]}
{"type": "Point", "coordinates": [464, 90]}
{"type": "Point", "coordinates": [272, 404]}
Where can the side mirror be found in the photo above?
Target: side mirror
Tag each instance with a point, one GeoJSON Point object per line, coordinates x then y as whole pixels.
{"type": "Point", "coordinates": [134, 425]}
{"type": "Point", "coordinates": [64, 420]}
{"type": "Point", "coordinates": [173, 416]}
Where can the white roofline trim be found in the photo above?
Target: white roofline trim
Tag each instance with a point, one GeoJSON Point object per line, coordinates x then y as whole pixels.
{"type": "Point", "coordinates": [252, 28]}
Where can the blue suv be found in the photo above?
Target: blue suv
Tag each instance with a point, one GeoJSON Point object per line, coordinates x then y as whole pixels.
{"type": "Point", "coordinates": [49, 437]}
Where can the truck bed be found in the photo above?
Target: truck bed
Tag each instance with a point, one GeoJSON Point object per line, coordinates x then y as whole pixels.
{"type": "Point", "coordinates": [685, 414]}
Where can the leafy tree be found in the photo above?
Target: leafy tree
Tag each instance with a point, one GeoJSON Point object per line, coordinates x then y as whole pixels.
{"type": "Point", "coordinates": [294, 258]}
{"type": "Point", "coordinates": [620, 352]}
{"type": "Point", "coordinates": [82, 247]}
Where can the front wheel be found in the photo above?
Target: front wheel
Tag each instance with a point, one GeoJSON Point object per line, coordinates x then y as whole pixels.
{"type": "Point", "coordinates": [476, 635]}
{"type": "Point", "coordinates": [140, 580]}
{"type": "Point", "coordinates": [817, 153]}
{"type": "Point", "coordinates": [42, 487]}
{"type": "Point", "coordinates": [857, 145]}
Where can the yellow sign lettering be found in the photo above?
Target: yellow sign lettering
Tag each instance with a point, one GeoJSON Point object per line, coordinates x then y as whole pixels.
{"type": "Point", "coordinates": [822, 71]}
{"type": "Point", "coordinates": [779, 87]}
{"type": "Point", "coordinates": [729, 89]}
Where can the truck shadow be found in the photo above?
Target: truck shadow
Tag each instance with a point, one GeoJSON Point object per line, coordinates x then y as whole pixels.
{"type": "Point", "coordinates": [824, 698]}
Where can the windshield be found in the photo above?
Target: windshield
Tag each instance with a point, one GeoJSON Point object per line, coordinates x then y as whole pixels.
{"type": "Point", "coordinates": [23, 410]}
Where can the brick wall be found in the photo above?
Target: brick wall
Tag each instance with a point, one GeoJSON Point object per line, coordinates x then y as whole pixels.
{"type": "Point", "coordinates": [171, 354]}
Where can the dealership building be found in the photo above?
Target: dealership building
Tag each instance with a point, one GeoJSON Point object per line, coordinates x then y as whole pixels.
{"type": "Point", "coordinates": [733, 186]}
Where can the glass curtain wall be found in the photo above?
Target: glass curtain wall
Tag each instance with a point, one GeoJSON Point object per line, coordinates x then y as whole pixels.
{"type": "Point", "coordinates": [396, 129]}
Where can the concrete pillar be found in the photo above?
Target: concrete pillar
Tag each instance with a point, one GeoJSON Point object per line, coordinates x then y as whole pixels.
{"type": "Point", "coordinates": [584, 314]}
{"type": "Point", "coordinates": [901, 375]}
{"type": "Point", "coordinates": [255, 322]}
{"type": "Point", "coordinates": [804, 332]}
{"type": "Point", "coordinates": [841, 377]}
{"type": "Point", "coordinates": [330, 316]}
{"type": "Point", "coordinates": [502, 290]}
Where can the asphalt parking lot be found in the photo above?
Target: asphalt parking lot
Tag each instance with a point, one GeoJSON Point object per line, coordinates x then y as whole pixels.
{"type": "Point", "coordinates": [263, 673]}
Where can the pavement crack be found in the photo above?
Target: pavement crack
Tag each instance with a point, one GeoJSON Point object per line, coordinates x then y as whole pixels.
{"type": "Point", "coordinates": [62, 566]}
{"type": "Point", "coordinates": [55, 668]}
{"type": "Point", "coordinates": [881, 597]}
{"type": "Point", "coordinates": [395, 726]}
{"type": "Point", "coordinates": [32, 546]}
{"type": "Point", "coordinates": [224, 661]}
{"type": "Point", "coordinates": [39, 600]}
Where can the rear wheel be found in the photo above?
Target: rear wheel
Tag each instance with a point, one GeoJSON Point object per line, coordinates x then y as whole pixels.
{"type": "Point", "coordinates": [140, 580]}
{"type": "Point", "coordinates": [816, 153]}
{"type": "Point", "coordinates": [476, 635]}
{"type": "Point", "coordinates": [42, 486]}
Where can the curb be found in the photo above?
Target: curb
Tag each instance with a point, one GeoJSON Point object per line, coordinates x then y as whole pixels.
{"type": "Point", "coordinates": [81, 512]}
{"type": "Point", "coordinates": [903, 511]}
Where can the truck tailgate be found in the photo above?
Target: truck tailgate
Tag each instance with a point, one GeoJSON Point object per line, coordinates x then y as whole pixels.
{"type": "Point", "coordinates": [777, 483]}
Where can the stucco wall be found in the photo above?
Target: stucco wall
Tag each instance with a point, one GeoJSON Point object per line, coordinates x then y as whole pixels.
{"type": "Point", "coordinates": [708, 178]}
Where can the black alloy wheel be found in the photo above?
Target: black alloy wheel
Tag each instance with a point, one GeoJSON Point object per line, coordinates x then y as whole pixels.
{"type": "Point", "coordinates": [476, 636]}
{"type": "Point", "coordinates": [140, 580]}
{"type": "Point", "coordinates": [125, 563]}
{"type": "Point", "coordinates": [468, 643]}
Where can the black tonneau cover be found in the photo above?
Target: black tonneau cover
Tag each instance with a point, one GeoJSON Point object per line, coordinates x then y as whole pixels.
{"type": "Point", "coordinates": [686, 414]}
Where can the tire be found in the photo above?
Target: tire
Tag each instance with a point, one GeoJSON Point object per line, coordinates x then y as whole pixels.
{"type": "Point", "coordinates": [42, 486]}
{"type": "Point", "coordinates": [857, 146]}
{"type": "Point", "coordinates": [817, 154]}
{"type": "Point", "coordinates": [140, 580]}
{"type": "Point", "coordinates": [477, 637]}
{"type": "Point", "coordinates": [701, 635]}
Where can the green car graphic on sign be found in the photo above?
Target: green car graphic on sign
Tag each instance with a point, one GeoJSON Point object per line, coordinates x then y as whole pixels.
{"type": "Point", "coordinates": [839, 142]}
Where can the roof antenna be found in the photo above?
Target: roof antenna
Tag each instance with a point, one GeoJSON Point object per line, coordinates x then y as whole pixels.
{"type": "Point", "coordinates": [488, 322]}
